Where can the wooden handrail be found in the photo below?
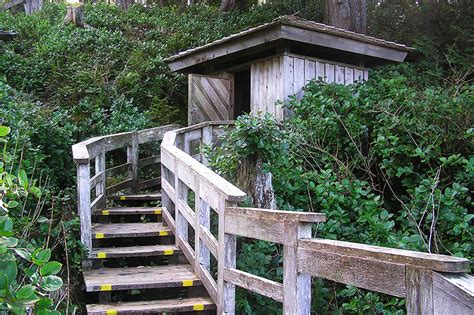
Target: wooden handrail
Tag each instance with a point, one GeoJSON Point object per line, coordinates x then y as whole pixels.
{"type": "Point", "coordinates": [402, 273]}
{"type": "Point", "coordinates": [95, 149]}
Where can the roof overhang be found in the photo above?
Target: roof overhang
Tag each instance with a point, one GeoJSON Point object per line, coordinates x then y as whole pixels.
{"type": "Point", "coordinates": [266, 39]}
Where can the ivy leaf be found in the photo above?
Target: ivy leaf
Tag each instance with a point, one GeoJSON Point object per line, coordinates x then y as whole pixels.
{"type": "Point", "coordinates": [9, 241]}
{"type": "Point", "coordinates": [51, 283]}
{"type": "Point", "coordinates": [9, 270]}
{"type": "Point", "coordinates": [43, 304]}
{"type": "Point", "coordinates": [4, 130]}
{"type": "Point", "coordinates": [51, 268]}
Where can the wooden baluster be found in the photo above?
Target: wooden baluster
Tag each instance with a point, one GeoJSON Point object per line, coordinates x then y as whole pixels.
{"type": "Point", "coordinates": [296, 286]}
{"type": "Point", "coordinates": [181, 224]}
{"type": "Point", "coordinates": [227, 259]}
{"type": "Point", "coordinates": [100, 187]}
{"type": "Point", "coordinates": [84, 203]}
{"type": "Point", "coordinates": [132, 157]}
{"type": "Point", "coordinates": [203, 218]}
{"type": "Point", "coordinates": [206, 140]}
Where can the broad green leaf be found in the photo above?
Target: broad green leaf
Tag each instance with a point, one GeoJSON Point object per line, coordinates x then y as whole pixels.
{"type": "Point", "coordinates": [42, 219]}
{"type": "Point", "coordinates": [9, 241]}
{"type": "Point", "coordinates": [4, 130]}
{"type": "Point", "coordinates": [51, 283]}
{"type": "Point", "coordinates": [23, 178]}
{"type": "Point", "coordinates": [23, 253]}
{"type": "Point", "coordinates": [42, 257]}
{"type": "Point", "coordinates": [51, 268]}
{"type": "Point", "coordinates": [25, 292]}
{"type": "Point", "coordinates": [12, 204]}
{"type": "Point", "coordinates": [44, 303]}
{"type": "Point", "coordinates": [9, 270]}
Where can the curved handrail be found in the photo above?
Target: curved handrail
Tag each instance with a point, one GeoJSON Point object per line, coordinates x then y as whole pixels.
{"type": "Point", "coordinates": [86, 150]}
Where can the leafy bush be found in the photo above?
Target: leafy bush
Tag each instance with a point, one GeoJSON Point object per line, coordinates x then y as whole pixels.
{"type": "Point", "coordinates": [27, 276]}
{"type": "Point", "coordinates": [390, 162]}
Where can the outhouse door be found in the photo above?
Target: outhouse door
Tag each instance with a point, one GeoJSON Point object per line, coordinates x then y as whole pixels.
{"type": "Point", "coordinates": [210, 98]}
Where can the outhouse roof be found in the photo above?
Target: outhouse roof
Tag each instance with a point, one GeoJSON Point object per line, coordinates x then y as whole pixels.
{"type": "Point", "coordinates": [287, 32]}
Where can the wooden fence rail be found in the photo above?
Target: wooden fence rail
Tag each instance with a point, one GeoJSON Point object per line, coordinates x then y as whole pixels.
{"type": "Point", "coordinates": [432, 284]}
{"type": "Point", "coordinates": [94, 150]}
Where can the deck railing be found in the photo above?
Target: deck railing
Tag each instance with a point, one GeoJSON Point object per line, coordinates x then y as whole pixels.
{"type": "Point", "coordinates": [92, 190]}
{"type": "Point", "coordinates": [432, 284]}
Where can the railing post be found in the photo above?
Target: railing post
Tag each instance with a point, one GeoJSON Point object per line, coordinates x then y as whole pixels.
{"type": "Point", "coordinates": [84, 203]}
{"type": "Point", "coordinates": [227, 259]}
{"type": "Point", "coordinates": [132, 157]}
{"type": "Point", "coordinates": [181, 191]}
{"type": "Point", "coordinates": [203, 218]}
{"type": "Point", "coordinates": [296, 286]}
{"type": "Point", "coordinates": [419, 286]}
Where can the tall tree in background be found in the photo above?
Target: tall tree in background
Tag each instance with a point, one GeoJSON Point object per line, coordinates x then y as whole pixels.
{"type": "Point", "coordinates": [350, 15]}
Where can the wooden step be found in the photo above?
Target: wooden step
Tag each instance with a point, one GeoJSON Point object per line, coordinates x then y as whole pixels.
{"type": "Point", "coordinates": [115, 230]}
{"type": "Point", "coordinates": [129, 211]}
{"type": "Point", "coordinates": [152, 307]}
{"type": "Point", "coordinates": [137, 197]}
{"type": "Point", "coordinates": [110, 279]}
{"type": "Point", "coordinates": [135, 251]}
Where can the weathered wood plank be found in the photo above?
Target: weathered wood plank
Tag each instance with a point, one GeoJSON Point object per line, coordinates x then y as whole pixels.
{"type": "Point", "coordinates": [419, 290]}
{"type": "Point", "coordinates": [147, 183]}
{"type": "Point", "coordinates": [152, 307]}
{"type": "Point", "coordinates": [279, 215]}
{"type": "Point", "coordinates": [248, 281]}
{"type": "Point", "coordinates": [139, 278]}
{"type": "Point", "coordinates": [441, 263]}
{"type": "Point", "coordinates": [210, 241]}
{"type": "Point", "coordinates": [151, 160]}
{"type": "Point", "coordinates": [208, 282]}
{"type": "Point", "coordinates": [119, 186]}
{"type": "Point", "coordinates": [453, 294]}
{"type": "Point", "coordinates": [83, 203]}
{"type": "Point", "coordinates": [384, 277]}
{"type": "Point", "coordinates": [119, 169]}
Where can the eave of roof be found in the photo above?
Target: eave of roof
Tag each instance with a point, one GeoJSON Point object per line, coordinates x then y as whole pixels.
{"type": "Point", "coordinates": [279, 24]}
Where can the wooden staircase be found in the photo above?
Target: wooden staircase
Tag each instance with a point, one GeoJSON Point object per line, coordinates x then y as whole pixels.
{"type": "Point", "coordinates": [121, 263]}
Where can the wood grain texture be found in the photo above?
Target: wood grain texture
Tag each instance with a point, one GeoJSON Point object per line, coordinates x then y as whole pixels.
{"type": "Point", "coordinates": [135, 251]}
{"type": "Point", "coordinates": [453, 293]}
{"type": "Point", "coordinates": [209, 99]}
{"type": "Point", "coordinates": [419, 291]}
{"type": "Point", "coordinates": [139, 277]}
{"type": "Point", "coordinates": [152, 307]}
{"type": "Point", "coordinates": [441, 263]}
{"type": "Point", "coordinates": [116, 230]}
{"type": "Point", "coordinates": [248, 281]}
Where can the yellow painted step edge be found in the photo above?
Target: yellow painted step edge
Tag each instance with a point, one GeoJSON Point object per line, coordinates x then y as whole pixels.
{"type": "Point", "coordinates": [158, 211]}
{"type": "Point", "coordinates": [101, 255]}
{"type": "Point", "coordinates": [106, 287]}
{"type": "Point", "coordinates": [99, 235]}
{"type": "Point", "coordinates": [168, 252]}
{"type": "Point", "coordinates": [123, 198]}
{"type": "Point", "coordinates": [198, 307]}
{"type": "Point", "coordinates": [105, 212]}
{"type": "Point", "coordinates": [111, 312]}
{"type": "Point", "coordinates": [163, 233]}
{"type": "Point", "coordinates": [188, 283]}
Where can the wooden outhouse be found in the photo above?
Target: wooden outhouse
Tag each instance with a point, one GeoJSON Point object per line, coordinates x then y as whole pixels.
{"type": "Point", "coordinates": [258, 69]}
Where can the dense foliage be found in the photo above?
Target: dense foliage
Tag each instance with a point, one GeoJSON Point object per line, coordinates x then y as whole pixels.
{"type": "Point", "coordinates": [378, 172]}
{"type": "Point", "coordinates": [390, 162]}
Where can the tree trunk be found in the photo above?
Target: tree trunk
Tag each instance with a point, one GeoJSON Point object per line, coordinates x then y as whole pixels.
{"type": "Point", "coordinates": [75, 15]}
{"type": "Point", "coordinates": [350, 15]}
{"type": "Point", "coordinates": [255, 183]}
{"type": "Point", "coordinates": [228, 5]}
{"type": "Point", "coordinates": [125, 4]}
{"type": "Point", "coordinates": [32, 6]}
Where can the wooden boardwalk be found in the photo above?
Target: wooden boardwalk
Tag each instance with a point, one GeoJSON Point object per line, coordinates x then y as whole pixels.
{"type": "Point", "coordinates": [143, 241]}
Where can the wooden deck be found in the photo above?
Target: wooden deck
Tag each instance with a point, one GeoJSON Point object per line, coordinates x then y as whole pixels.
{"type": "Point", "coordinates": [137, 197]}
{"type": "Point", "coordinates": [129, 211]}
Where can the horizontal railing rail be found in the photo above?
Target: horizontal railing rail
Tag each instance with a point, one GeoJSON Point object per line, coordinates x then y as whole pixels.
{"type": "Point", "coordinates": [92, 189]}
{"type": "Point", "coordinates": [425, 280]}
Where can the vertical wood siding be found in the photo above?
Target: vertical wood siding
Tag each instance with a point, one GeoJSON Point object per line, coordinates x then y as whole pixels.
{"type": "Point", "coordinates": [210, 98]}
{"type": "Point", "coordinates": [277, 78]}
